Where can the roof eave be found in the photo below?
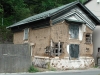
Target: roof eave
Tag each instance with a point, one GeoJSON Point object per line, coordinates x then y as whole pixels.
{"type": "Point", "coordinates": [92, 16]}
{"type": "Point", "coordinates": [27, 22]}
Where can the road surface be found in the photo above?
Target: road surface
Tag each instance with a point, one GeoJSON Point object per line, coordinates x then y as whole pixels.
{"type": "Point", "coordinates": [69, 72]}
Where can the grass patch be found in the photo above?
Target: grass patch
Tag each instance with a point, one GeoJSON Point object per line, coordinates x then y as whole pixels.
{"type": "Point", "coordinates": [52, 69]}
{"type": "Point", "coordinates": [33, 69]}
{"type": "Point", "coordinates": [96, 66]}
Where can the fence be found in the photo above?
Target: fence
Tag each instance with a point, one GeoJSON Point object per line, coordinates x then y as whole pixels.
{"type": "Point", "coordinates": [14, 58]}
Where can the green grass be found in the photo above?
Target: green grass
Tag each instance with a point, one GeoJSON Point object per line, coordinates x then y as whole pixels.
{"type": "Point", "coordinates": [52, 69]}
{"type": "Point", "coordinates": [33, 69]}
{"type": "Point", "coordinates": [96, 66]}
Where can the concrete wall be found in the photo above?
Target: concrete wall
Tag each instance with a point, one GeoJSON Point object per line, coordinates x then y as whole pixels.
{"type": "Point", "coordinates": [14, 58]}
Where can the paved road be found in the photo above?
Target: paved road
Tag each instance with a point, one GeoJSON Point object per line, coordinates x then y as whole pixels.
{"type": "Point", "coordinates": [70, 72]}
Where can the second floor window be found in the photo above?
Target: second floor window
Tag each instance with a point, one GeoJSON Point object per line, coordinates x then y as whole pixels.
{"type": "Point", "coordinates": [74, 31]}
{"type": "Point", "coordinates": [88, 38]}
{"type": "Point", "coordinates": [26, 31]}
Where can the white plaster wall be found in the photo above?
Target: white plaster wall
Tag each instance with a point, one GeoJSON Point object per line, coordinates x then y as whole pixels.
{"type": "Point", "coordinates": [96, 41]}
{"type": "Point", "coordinates": [94, 7]}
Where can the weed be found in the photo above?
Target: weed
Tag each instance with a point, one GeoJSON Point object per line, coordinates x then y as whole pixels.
{"type": "Point", "coordinates": [96, 66]}
{"type": "Point", "coordinates": [33, 69]}
{"type": "Point", "coordinates": [52, 69]}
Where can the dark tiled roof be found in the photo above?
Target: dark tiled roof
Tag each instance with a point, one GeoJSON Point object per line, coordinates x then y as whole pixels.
{"type": "Point", "coordinates": [41, 15]}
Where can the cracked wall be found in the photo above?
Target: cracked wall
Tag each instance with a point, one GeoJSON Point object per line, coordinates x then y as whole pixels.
{"type": "Point", "coordinates": [41, 38]}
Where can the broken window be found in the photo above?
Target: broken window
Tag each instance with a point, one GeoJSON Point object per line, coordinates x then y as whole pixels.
{"type": "Point", "coordinates": [57, 50]}
{"type": "Point", "coordinates": [74, 50]}
{"type": "Point", "coordinates": [88, 38]}
{"type": "Point", "coordinates": [26, 30]}
{"type": "Point", "coordinates": [74, 31]}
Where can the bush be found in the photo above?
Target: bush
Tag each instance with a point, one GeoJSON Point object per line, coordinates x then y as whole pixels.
{"type": "Point", "coordinates": [33, 69]}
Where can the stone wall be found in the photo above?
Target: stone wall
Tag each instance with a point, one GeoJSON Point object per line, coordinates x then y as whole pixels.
{"type": "Point", "coordinates": [63, 64]}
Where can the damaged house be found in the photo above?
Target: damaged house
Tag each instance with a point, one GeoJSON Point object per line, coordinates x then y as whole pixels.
{"type": "Point", "coordinates": [60, 36]}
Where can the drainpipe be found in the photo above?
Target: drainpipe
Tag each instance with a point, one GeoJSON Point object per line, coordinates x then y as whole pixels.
{"type": "Point", "coordinates": [51, 44]}
{"type": "Point", "coordinates": [59, 46]}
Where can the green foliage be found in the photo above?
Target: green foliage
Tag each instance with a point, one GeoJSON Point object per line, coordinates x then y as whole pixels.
{"type": "Point", "coordinates": [83, 1]}
{"type": "Point", "coordinates": [15, 9]}
{"type": "Point", "coordinates": [5, 35]}
{"type": "Point", "coordinates": [52, 69]}
{"type": "Point", "coordinates": [96, 66]}
{"type": "Point", "coordinates": [33, 69]}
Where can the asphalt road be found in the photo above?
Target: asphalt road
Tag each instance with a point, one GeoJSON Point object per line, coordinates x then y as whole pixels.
{"type": "Point", "coordinates": [70, 72]}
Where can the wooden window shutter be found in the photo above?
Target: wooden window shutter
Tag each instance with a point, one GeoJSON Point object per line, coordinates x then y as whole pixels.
{"type": "Point", "coordinates": [74, 50]}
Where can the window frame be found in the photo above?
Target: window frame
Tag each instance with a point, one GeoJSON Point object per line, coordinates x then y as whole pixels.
{"type": "Point", "coordinates": [55, 49]}
{"type": "Point", "coordinates": [89, 38]}
{"type": "Point", "coordinates": [71, 58]}
{"type": "Point", "coordinates": [70, 32]}
{"type": "Point", "coordinates": [24, 38]}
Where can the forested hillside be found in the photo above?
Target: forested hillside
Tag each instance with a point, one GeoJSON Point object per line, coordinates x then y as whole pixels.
{"type": "Point", "coordinates": [12, 11]}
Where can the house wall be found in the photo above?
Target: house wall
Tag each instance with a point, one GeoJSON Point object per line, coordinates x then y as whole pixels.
{"type": "Point", "coordinates": [96, 43]}
{"type": "Point", "coordinates": [41, 38]}
{"type": "Point", "coordinates": [94, 7]}
{"type": "Point", "coordinates": [18, 37]}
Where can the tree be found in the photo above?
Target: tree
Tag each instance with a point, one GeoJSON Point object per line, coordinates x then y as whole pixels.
{"type": "Point", "coordinates": [13, 11]}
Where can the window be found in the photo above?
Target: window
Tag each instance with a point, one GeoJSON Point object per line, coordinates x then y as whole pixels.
{"type": "Point", "coordinates": [74, 50]}
{"type": "Point", "coordinates": [57, 49]}
{"type": "Point", "coordinates": [26, 30]}
{"type": "Point", "coordinates": [74, 31]}
{"type": "Point", "coordinates": [88, 38]}
{"type": "Point", "coordinates": [98, 49]}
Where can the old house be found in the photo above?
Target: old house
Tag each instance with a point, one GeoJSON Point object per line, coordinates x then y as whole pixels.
{"type": "Point", "coordinates": [94, 7]}
{"type": "Point", "coordinates": [60, 36]}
